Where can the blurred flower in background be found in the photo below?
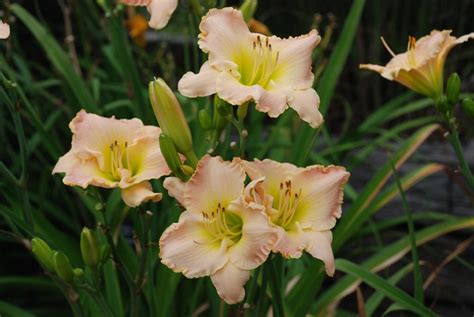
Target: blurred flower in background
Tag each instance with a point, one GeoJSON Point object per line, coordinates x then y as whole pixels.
{"type": "Point", "coordinates": [160, 10]}
{"type": "Point", "coordinates": [4, 30]}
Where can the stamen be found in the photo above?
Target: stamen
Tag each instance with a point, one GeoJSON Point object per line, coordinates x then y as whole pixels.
{"type": "Point", "coordinates": [287, 204]}
{"type": "Point", "coordinates": [387, 47]}
{"type": "Point", "coordinates": [411, 50]}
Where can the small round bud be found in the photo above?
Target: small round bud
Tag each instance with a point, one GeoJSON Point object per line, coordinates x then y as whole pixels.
{"type": "Point", "coordinates": [62, 266]}
{"type": "Point", "coordinates": [468, 106]}
{"type": "Point", "coordinates": [43, 253]}
{"type": "Point", "coordinates": [89, 248]}
{"type": "Point", "coordinates": [170, 153]}
{"type": "Point", "coordinates": [453, 88]}
{"type": "Point", "coordinates": [188, 170]}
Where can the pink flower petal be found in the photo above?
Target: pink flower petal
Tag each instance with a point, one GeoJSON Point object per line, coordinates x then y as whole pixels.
{"type": "Point", "coordinates": [306, 104]}
{"type": "Point", "coordinates": [229, 283]}
{"type": "Point", "coordinates": [214, 182]}
{"type": "Point", "coordinates": [321, 196]}
{"type": "Point", "coordinates": [223, 32]}
{"type": "Point", "coordinates": [295, 60]}
{"type": "Point", "coordinates": [257, 240]}
{"type": "Point", "coordinates": [200, 84]}
{"type": "Point", "coordinates": [161, 11]}
{"type": "Point", "coordinates": [4, 30]}
{"type": "Point", "coordinates": [135, 195]}
{"type": "Point", "coordinates": [186, 247]}
{"type": "Point", "coordinates": [175, 188]}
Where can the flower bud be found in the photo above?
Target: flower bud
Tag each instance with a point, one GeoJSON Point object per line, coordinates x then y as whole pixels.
{"type": "Point", "coordinates": [442, 105]}
{"type": "Point", "coordinates": [468, 106]}
{"type": "Point", "coordinates": [205, 120]}
{"type": "Point", "coordinates": [453, 88]}
{"type": "Point", "coordinates": [187, 170]}
{"type": "Point", "coordinates": [62, 266]}
{"type": "Point", "coordinates": [248, 9]}
{"type": "Point", "coordinates": [89, 248]}
{"type": "Point", "coordinates": [170, 154]}
{"type": "Point", "coordinates": [78, 272]}
{"type": "Point", "coordinates": [170, 116]}
{"type": "Point", "coordinates": [43, 253]}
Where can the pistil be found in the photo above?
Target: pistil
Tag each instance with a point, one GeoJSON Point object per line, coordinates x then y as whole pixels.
{"type": "Point", "coordinates": [288, 201]}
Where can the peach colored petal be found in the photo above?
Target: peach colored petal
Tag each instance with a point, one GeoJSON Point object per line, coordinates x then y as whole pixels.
{"type": "Point", "coordinates": [200, 84]}
{"type": "Point", "coordinates": [321, 196]}
{"type": "Point", "coordinates": [175, 188]}
{"type": "Point", "coordinates": [295, 59]}
{"type": "Point", "coordinates": [93, 134]}
{"type": "Point", "coordinates": [146, 158]}
{"type": "Point", "coordinates": [318, 244]}
{"type": "Point", "coordinates": [229, 283]}
{"type": "Point", "coordinates": [254, 196]}
{"type": "Point", "coordinates": [81, 172]}
{"type": "Point", "coordinates": [291, 244]}
{"type": "Point", "coordinates": [214, 182]}
{"type": "Point", "coordinates": [136, 2]}
{"type": "Point", "coordinates": [306, 104]}
{"type": "Point", "coordinates": [274, 173]}
{"type": "Point", "coordinates": [161, 11]}
{"type": "Point", "coordinates": [257, 240]}
{"type": "Point", "coordinates": [135, 195]}
{"type": "Point", "coordinates": [186, 247]}
{"type": "Point", "coordinates": [223, 33]}
{"type": "Point", "coordinates": [4, 30]}
{"type": "Point", "coordinates": [231, 90]}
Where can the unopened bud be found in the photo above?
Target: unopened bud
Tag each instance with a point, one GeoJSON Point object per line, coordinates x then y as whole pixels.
{"type": "Point", "coordinates": [89, 248]}
{"type": "Point", "coordinates": [78, 272]}
{"type": "Point", "coordinates": [468, 106]}
{"type": "Point", "coordinates": [43, 253]}
{"type": "Point", "coordinates": [248, 9]}
{"type": "Point", "coordinates": [170, 116]}
{"type": "Point", "coordinates": [62, 266]}
{"type": "Point", "coordinates": [205, 120]}
{"type": "Point", "coordinates": [453, 88]}
{"type": "Point", "coordinates": [442, 105]}
{"type": "Point", "coordinates": [188, 170]}
{"type": "Point", "coordinates": [170, 154]}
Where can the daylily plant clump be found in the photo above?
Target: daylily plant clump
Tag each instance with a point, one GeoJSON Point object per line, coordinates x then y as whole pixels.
{"type": "Point", "coordinates": [237, 213]}
{"type": "Point", "coordinates": [229, 226]}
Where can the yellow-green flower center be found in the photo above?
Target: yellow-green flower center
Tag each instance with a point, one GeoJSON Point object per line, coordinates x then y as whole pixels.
{"type": "Point", "coordinates": [119, 158]}
{"type": "Point", "coordinates": [257, 65]}
{"type": "Point", "coordinates": [286, 205]}
{"type": "Point", "coordinates": [223, 224]}
{"type": "Point", "coordinates": [411, 51]}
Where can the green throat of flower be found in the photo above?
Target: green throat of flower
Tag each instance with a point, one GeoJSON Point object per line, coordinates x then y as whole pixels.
{"type": "Point", "coordinates": [286, 206]}
{"type": "Point", "coordinates": [258, 65]}
{"type": "Point", "coordinates": [223, 224]}
{"type": "Point", "coordinates": [119, 159]}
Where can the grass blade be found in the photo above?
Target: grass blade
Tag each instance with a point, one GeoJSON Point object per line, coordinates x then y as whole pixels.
{"type": "Point", "coordinates": [383, 286]}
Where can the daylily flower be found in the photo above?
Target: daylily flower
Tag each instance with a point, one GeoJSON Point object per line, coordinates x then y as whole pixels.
{"type": "Point", "coordinates": [304, 204]}
{"type": "Point", "coordinates": [218, 235]}
{"type": "Point", "coordinates": [4, 30]}
{"type": "Point", "coordinates": [420, 68]}
{"type": "Point", "coordinates": [160, 10]}
{"type": "Point", "coordinates": [244, 66]}
{"type": "Point", "coordinates": [112, 153]}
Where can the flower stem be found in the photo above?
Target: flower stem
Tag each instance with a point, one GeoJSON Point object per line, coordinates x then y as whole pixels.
{"type": "Point", "coordinates": [276, 286]}
{"type": "Point", "coordinates": [453, 138]}
{"type": "Point", "coordinates": [140, 280]}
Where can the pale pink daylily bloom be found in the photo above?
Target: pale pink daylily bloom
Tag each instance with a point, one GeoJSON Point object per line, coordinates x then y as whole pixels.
{"type": "Point", "coordinates": [160, 10]}
{"type": "Point", "coordinates": [4, 30]}
{"type": "Point", "coordinates": [420, 68]}
{"type": "Point", "coordinates": [303, 203]}
{"type": "Point", "coordinates": [218, 235]}
{"type": "Point", "coordinates": [112, 153]}
{"type": "Point", "coordinates": [244, 66]}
